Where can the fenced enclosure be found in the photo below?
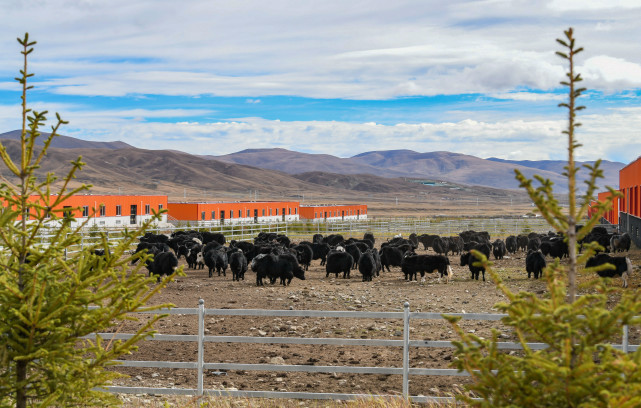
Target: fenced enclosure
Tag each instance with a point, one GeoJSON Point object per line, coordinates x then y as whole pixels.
{"type": "Point", "coordinates": [200, 365]}
{"type": "Point", "coordinates": [382, 228]}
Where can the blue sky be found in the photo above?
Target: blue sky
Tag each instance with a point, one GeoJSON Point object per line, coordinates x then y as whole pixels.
{"type": "Point", "coordinates": [335, 77]}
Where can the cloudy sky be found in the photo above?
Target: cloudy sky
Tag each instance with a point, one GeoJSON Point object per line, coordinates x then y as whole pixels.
{"type": "Point", "coordinates": [337, 77]}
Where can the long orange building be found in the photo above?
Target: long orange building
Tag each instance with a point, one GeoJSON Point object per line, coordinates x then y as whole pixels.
{"type": "Point", "coordinates": [123, 210]}
{"type": "Point", "coordinates": [112, 210]}
{"type": "Point", "coordinates": [320, 213]}
{"type": "Point", "coordinates": [235, 212]}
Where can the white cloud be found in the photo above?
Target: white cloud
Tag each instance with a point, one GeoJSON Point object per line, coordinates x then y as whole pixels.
{"type": "Point", "coordinates": [528, 96]}
{"type": "Point", "coordinates": [570, 5]}
{"type": "Point", "coordinates": [608, 72]}
{"type": "Point", "coordinates": [514, 139]}
{"type": "Point", "coordinates": [329, 50]}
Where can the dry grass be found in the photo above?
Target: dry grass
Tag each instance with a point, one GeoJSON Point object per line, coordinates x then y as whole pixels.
{"type": "Point", "coordinates": [229, 402]}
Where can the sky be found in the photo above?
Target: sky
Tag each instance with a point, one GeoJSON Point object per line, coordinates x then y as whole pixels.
{"type": "Point", "coordinates": [332, 77]}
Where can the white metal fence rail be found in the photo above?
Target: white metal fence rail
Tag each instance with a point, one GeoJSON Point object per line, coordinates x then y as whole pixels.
{"type": "Point", "coordinates": [381, 228]}
{"type": "Point", "coordinates": [406, 371]}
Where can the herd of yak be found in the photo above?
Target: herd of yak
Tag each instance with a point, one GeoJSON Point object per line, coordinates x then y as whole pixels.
{"type": "Point", "coordinates": [273, 256]}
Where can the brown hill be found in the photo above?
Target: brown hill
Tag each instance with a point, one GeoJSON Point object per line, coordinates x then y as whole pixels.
{"type": "Point", "coordinates": [452, 167]}
{"type": "Point", "coordinates": [147, 169]}
{"type": "Point", "coordinates": [295, 162]}
{"type": "Point", "coordinates": [466, 169]}
{"type": "Point", "coordinates": [185, 177]}
{"type": "Point", "coordinates": [67, 142]}
{"type": "Point", "coordinates": [360, 182]}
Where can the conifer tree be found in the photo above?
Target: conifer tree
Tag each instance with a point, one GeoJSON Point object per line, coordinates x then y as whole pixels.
{"type": "Point", "coordinates": [45, 295]}
{"type": "Point", "coordinates": [578, 368]}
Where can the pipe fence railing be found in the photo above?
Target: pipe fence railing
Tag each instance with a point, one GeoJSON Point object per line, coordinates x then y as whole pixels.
{"type": "Point", "coordinates": [296, 230]}
{"type": "Point", "coordinates": [200, 365]}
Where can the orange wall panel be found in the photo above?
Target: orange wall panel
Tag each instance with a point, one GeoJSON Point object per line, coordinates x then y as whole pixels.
{"type": "Point", "coordinates": [94, 202]}
{"type": "Point", "coordinates": [333, 211]}
{"type": "Point", "coordinates": [193, 211]}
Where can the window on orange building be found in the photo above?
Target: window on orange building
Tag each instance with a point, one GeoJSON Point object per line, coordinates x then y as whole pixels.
{"type": "Point", "coordinates": [118, 210]}
{"type": "Point", "coordinates": [147, 209]}
{"type": "Point", "coordinates": [102, 210]}
{"type": "Point", "coordinates": [213, 215]}
{"type": "Point", "coordinates": [85, 211]}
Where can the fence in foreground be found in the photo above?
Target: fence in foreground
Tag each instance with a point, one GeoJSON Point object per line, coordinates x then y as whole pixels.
{"type": "Point", "coordinates": [200, 365]}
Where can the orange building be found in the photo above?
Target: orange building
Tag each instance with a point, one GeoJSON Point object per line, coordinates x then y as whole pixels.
{"type": "Point", "coordinates": [626, 212]}
{"type": "Point", "coordinates": [629, 182]}
{"type": "Point", "coordinates": [612, 216]}
{"type": "Point", "coordinates": [333, 212]}
{"type": "Point", "coordinates": [112, 210]}
{"type": "Point", "coordinates": [630, 203]}
{"type": "Point", "coordinates": [236, 212]}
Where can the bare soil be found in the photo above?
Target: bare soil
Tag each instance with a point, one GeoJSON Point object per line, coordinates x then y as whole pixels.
{"type": "Point", "coordinates": [386, 293]}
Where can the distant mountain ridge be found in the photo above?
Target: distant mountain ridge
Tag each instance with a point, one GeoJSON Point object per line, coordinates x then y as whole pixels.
{"type": "Point", "coordinates": [443, 166]}
{"type": "Point", "coordinates": [68, 142]}
{"type": "Point", "coordinates": [362, 172]}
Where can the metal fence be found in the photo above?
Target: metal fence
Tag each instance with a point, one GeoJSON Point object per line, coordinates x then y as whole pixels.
{"type": "Point", "coordinates": [631, 224]}
{"type": "Point", "coordinates": [200, 365]}
{"type": "Point", "coordinates": [382, 228]}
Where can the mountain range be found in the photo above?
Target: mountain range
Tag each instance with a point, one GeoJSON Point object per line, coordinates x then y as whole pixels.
{"type": "Point", "coordinates": [434, 166]}
{"type": "Point", "coordinates": [118, 164]}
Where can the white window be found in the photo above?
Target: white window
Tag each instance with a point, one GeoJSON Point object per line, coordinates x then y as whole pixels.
{"type": "Point", "coordinates": [85, 211]}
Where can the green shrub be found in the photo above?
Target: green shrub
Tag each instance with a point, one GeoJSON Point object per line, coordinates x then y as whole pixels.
{"type": "Point", "coordinates": [45, 297]}
{"type": "Point", "coordinates": [578, 368]}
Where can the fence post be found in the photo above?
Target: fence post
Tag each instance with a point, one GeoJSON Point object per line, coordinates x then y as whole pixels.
{"type": "Point", "coordinates": [201, 349]}
{"type": "Point", "coordinates": [625, 341]}
{"type": "Point", "coordinates": [406, 350]}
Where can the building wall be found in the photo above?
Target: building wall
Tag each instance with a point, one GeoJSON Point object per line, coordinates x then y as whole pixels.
{"type": "Point", "coordinates": [240, 212]}
{"type": "Point", "coordinates": [630, 186]}
{"type": "Point", "coordinates": [83, 206]}
{"type": "Point", "coordinates": [333, 212]}
{"type": "Point", "coordinates": [611, 216]}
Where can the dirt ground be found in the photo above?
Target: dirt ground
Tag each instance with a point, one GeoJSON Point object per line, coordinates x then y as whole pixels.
{"type": "Point", "coordinates": [386, 293]}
